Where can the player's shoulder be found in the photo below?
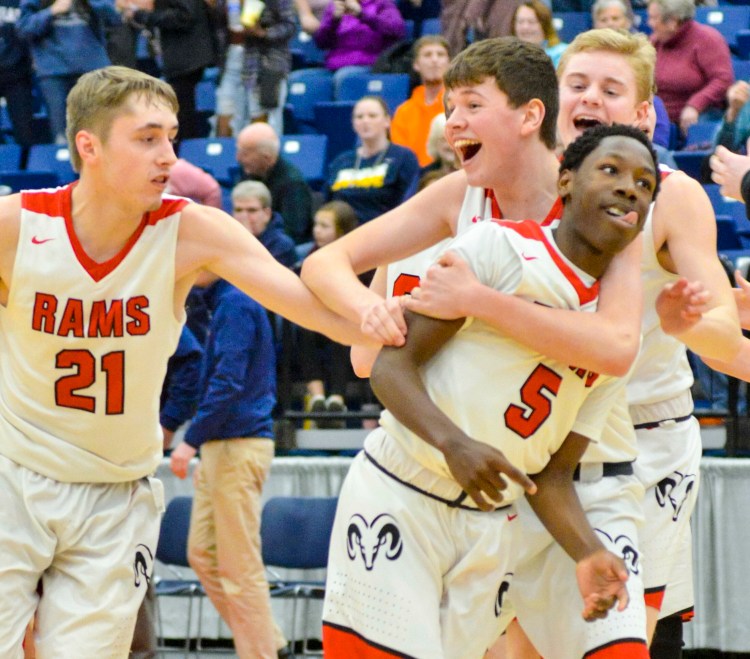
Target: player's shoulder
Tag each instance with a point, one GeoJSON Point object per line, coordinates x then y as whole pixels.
{"type": "Point", "coordinates": [10, 211]}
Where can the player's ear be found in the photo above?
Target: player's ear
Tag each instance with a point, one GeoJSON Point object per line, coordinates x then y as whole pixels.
{"type": "Point", "coordinates": [641, 113]}
{"type": "Point", "coordinates": [565, 183]}
{"type": "Point", "coordinates": [534, 113]}
{"type": "Point", "coordinates": [86, 144]}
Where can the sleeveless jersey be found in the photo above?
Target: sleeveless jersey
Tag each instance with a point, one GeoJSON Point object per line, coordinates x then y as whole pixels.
{"type": "Point", "coordinates": [479, 204]}
{"type": "Point", "coordinates": [497, 390]}
{"type": "Point", "coordinates": [661, 370]}
{"type": "Point", "coordinates": [85, 345]}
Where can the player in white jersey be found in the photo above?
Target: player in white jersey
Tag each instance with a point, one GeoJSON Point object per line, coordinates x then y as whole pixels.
{"type": "Point", "coordinates": [606, 76]}
{"type": "Point", "coordinates": [415, 568]}
{"type": "Point", "coordinates": [93, 279]}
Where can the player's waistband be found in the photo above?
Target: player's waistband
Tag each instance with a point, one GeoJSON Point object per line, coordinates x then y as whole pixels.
{"type": "Point", "coordinates": [588, 472]}
{"type": "Point", "coordinates": [663, 423]}
{"type": "Point", "coordinates": [671, 410]}
{"type": "Point", "coordinates": [462, 500]}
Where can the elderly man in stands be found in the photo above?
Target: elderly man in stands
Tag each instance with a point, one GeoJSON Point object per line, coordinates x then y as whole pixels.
{"type": "Point", "coordinates": [258, 153]}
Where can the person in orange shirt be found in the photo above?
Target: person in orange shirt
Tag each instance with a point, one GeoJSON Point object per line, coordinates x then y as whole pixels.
{"type": "Point", "coordinates": [410, 126]}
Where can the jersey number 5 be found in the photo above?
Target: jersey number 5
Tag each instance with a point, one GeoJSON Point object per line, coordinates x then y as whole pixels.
{"type": "Point", "coordinates": [113, 367]}
{"type": "Point", "coordinates": [525, 421]}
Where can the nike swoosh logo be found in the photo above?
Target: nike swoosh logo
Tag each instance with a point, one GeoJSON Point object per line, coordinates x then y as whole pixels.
{"type": "Point", "coordinates": [529, 258]}
{"type": "Point", "coordinates": [512, 517]}
{"type": "Point", "coordinates": [37, 241]}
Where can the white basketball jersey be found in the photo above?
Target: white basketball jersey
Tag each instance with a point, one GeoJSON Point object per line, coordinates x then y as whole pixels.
{"type": "Point", "coordinates": [479, 205]}
{"type": "Point", "coordinates": [661, 370]}
{"type": "Point", "coordinates": [497, 390]}
{"type": "Point", "coordinates": [85, 345]}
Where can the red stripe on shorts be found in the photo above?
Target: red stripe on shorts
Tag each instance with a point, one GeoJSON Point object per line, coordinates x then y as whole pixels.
{"type": "Point", "coordinates": [654, 597]}
{"type": "Point", "coordinates": [342, 643]}
{"type": "Point", "coordinates": [626, 649]}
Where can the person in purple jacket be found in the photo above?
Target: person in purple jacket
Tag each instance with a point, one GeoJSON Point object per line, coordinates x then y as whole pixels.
{"type": "Point", "coordinates": [355, 32]}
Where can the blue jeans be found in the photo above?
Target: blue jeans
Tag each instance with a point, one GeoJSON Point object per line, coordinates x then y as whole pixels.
{"type": "Point", "coordinates": [55, 92]}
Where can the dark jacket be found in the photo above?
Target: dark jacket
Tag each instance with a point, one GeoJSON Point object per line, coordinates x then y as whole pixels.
{"type": "Point", "coordinates": [239, 374]}
{"type": "Point", "coordinates": [276, 240]}
{"type": "Point", "coordinates": [15, 59]}
{"type": "Point", "coordinates": [188, 38]}
{"type": "Point", "coordinates": [182, 384]}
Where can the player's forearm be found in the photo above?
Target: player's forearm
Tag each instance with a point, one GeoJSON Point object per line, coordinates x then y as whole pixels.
{"type": "Point", "coordinates": [716, 336]}
{"type": "Point", "coordinates": [363, 358]}
{"type": "Point", "coordinates": [739, 367]}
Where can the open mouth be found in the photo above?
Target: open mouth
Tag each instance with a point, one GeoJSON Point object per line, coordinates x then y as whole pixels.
{"type": "Point", "coordinates": [467, 148]}
{"type": "Point", "coordinates": [623, 213]}
{"type": "Point", "coordinates": [584, 123]}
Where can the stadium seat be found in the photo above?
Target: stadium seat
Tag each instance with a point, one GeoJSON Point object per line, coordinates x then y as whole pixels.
{"type": "Point", "coordinates": [742, 44]}
{"type": "Point", "coordinates": [741, 69]}
{"type": "Point", "coordinates": [727, 19]}
{"type": "Point", "coordinates": [214, 153]}
{"type": "Point", "coordinates": [431, 26]}
{"type": "Point", "coordinates": [640, 21]}
{"type": "Point", "coordinates": [727, 237]}
{"type": "Point", "coordinates": [309, 153]}
{"type": "Point", "coordinates": [334, 120]}
{"type": "Point", "coordinates": [205, 96]}
{"type": "Point", "coordinates": [727, 206]}
{"type": "Point", "coordinates": [304, 51]}
{"type": "Point", "coordinates": [393, 87]}
{"type": "Point", "coordinates": [306, 87]}
{"type": "Point", "coordinates": [570, 23]}
{"type": "Point", "coordinates": [702, 133]}
{"type": "Point", "coordinates": [10, 157]}
{"type": "Point", "coordinates": [691, 162]}
{"type": "Point", "coordinates": [52, 158]}
{"type": "Point", "coordinates": [29, 180]}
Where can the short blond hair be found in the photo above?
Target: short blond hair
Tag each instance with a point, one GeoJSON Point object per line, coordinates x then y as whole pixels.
{"type": "Point", "coordinates": [635, 49]}
{"type": "Point", "coordinates": [100, 96]}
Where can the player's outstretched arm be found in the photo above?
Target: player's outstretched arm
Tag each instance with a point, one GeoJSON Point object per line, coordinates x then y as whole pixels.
{"type": "Point", "coordinates": [601, 575]}
{"type": "Point", "coordinates": [605, 342]}
{"type": "Point", "coordinates": [742, 299]}
{"type": "Point", "coordinates": [685, 228]}
{"type": "Point", "coordinates": [209, 239]}
{"type": "Point", "coordinates": [396, 380]}
{"type": "Point", "coordinates": [418, 223]}
{"type": "Point", "coordinates": [364, 356]}
{"type": "Point", "coordinates": [681, 305]}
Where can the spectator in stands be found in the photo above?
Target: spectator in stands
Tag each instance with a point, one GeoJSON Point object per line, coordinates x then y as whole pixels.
{"type": "Point", "coordinates": [532, 22]}
{"type": "Point", "coordinates": [251, 207]}
{"type": "Point", "coordinates": [486, 18]}
{"type": "Point", "coordinates": [233, 428]}
{"type": "Point", "coordinates": [734, 132]}
{"type": "Point", "coordinates": [617, 14]}
{"type": "Point", "coordinates": [16, 75]}
{"type": "Point", "coordinates": [257, 64]}
{"type": "Point", "coordinates": [354, 33]}
{"type": "Point", "coordinates": [310, 13]}
{"type": "Point", "coordinates": [374, 177]}
{"type": "Point", "coordinates": [187, 180]}
{"type": "Point", "coordinates": [444, 160]}
{"type": "Point", "coordinates": [258, 153]}
{"type": "Point", "coordinates": [67, 39]}
{"type": "Point", "coordinates": [189, 44]}
{"type": "Point", "coordinates": [324, 364]}
{"type": "Point", "coordinates": [693, 63]}
{"type": "Point", "coordinates": [411, 121]}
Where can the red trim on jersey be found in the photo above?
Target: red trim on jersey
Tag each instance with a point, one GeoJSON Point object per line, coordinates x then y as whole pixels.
{"type": "Point", "coordinates": [58, 203]}
{"type": "Point", "coordinates": [654, 597]}
{"type": "Point", "coordinates": [343, 643]}
{"type": "Point", "coordinates": [625, 649]}
{"type": "Point", "coordinates": [554, 213]}
{"type": "Point", "coordinates": [688, 615]}
{"type": "Point", "coordinates": [532, 230]}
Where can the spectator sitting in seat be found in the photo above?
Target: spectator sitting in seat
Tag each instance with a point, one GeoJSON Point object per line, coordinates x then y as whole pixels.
{"type": "Point", "coordinates": [532, 22]}
{"type": "Point", "coordinates": [251, 207]}
{"type": "Point", "coordinates": [617, 14]}
{"type": "Point", "coordinates": [258, 153]}
{"type": "Point", "coordinates": [734, 132]}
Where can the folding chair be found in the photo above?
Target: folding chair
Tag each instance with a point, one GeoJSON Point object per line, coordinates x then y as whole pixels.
{"type": "Point", "coordinates": [305, 53]}
{"type": "Point", "coordinates": [171, 551]}
{"type": "Point", "coordinates": [295, 534]}
{"type": "Point", "coordinates": [691, 162]}
{"type": "Point", "coordinates": [52, 158]}
{"type": "Point", "coordinates": [308, 153]}
{"type": "Point", "coordinates": [10, 157]}
{"type": "Point", "coordinates": [214, 153]}
{"type": "Point", "coordinates": [306, 88]}
{"type": "Point", "coordinates": [29, 180]}
{"type": "Point", "coordinates": [393, 87]}
{"type": "Point", "coordinates": [334, 120]}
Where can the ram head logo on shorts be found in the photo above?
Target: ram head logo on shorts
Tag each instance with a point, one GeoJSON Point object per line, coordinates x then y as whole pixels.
{"type": "Point", "coordinates": [368, 539]}
{"type": "Point", "coordinates": [623, 546]}
{"type": "Point", "coordinates": [143, 565]}
{"type": "Point", "coordinates": [676, 490]}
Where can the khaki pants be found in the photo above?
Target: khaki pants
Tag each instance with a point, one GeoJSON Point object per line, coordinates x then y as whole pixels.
{"type": "Point", "coordinates": [224, 542]}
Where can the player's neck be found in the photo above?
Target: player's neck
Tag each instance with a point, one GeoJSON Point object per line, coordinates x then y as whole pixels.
{"type": "Point", "coordinates": [102, 226]}
{"type": "Point", "coordinates": [592, 261]}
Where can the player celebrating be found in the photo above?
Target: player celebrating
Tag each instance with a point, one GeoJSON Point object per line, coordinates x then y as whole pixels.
{"type": "Point", "coordinates": [93, 280]}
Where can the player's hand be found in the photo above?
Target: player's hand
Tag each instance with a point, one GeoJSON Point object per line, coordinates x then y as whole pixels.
{"type": "Point", "coordinates": [688, 117]}
{"type": "Point", "coordinates": [384, 322]}
{"type": "Point", "coordinates": [727, 169]}
{"type": "Point", "coordinates": [479, 469]}
{"type": "Point", "coordinates": [742, 299]}
{"type": "Point", "coordinates": [180, 459]}
{"type": "Point", "coordinates": [601, 579]}
{"type": "Point", "coordinates": [737, 95]}
{"type": "Point", "coordinates": [443, 291]}
{"type": "Point", "coordinates": [681, 305]}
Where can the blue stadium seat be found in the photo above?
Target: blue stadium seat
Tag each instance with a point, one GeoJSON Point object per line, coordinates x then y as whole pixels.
{"type": "Point", "coordinates": [431, 26]}
{"type": "Point", "coordinates": [570, 23]}
{"type": "Point", "coordinates": [727, 237]}
{"type": "Point", "coordinates": [309, 153]}
{"type": "Point", "coordinates": [304, 51]}
{"type": "Point", "coordinates": [334, 120]}
{"type": "Point", "coordinates": [393, 87]}
{"type": "Point", "coordinates": [640, 21]}
{"type": "Point", "coordinates": [702, 133]}
{"type": "Point", "coordinates": [10, 157]}
{"type": "Point", "coordinates": [52, 158]}
{"type": "Point", "coordinates": [214, 153]}
{"type": "Point", "coordinates": [726, 205]}
{"type": "Point", "coordinates": [27, 179]}
{"type": "Point", "coordinates": [742, 44]}
{"type": "Point", "coordinates": [691, 162]}
{"type": "Point", "coordinates": [741, 69]}
{"type": "Point", "coordinates": [205, 96]}
{"type": "Point", "coordinates": [306, 87]}
{"type": "Point", "coordinates": [727, 19]}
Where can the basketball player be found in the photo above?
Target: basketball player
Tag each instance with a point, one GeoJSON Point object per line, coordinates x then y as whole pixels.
{"type": "Point", "coordinates": [416, 569]}
{"type": "Point", "coordinates": [93, 279]}
{"type": "Point", "coordinates": [606, 76]}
